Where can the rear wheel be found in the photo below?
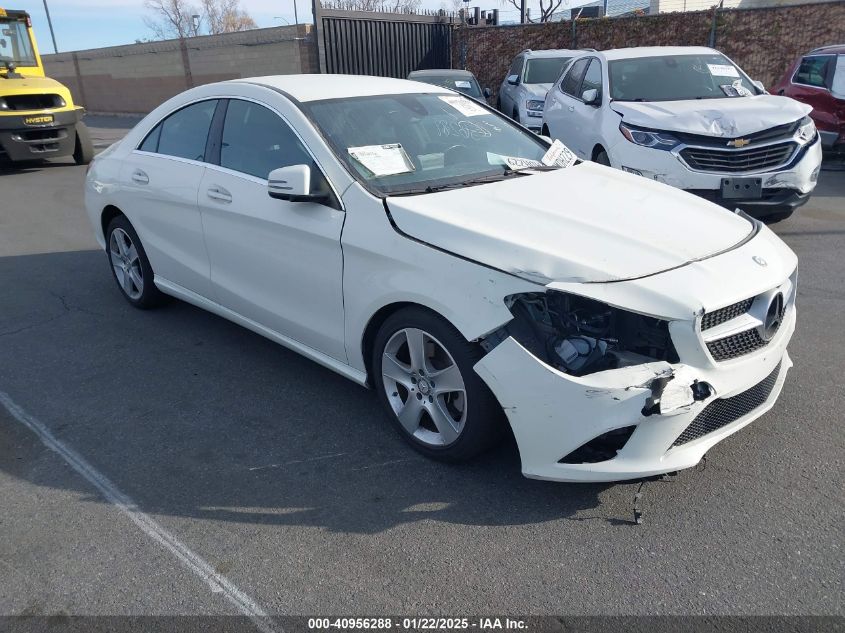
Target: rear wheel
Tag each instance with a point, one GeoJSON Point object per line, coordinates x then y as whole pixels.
{"type": "Point", "coordinates": [83, 151]}
{"type": "Point", "coordinates": [129, 264]}
{"type": "Point", "coordinates": [423, 373]}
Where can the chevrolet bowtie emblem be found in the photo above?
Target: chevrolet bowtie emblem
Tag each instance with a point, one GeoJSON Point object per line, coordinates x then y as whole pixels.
{"type": "Point", "coordinates": [740, 142]}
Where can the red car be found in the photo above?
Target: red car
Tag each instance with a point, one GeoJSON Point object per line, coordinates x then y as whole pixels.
{"type": "Point", "coordinates": [818, 79]}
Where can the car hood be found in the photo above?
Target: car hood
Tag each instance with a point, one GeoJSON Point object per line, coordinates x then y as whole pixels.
{"type": "Point", "coordinates": [587, 223]}
{"type": "Point", "coordinates": [728, 117]}
{"type": "Point", "coordinates": [537, 90]}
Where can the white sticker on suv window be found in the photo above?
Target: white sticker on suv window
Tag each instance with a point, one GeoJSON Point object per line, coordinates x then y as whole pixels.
{"type": "Point", "coordinates": [383, 160]}
{"type": "Point", "coordinates": [513, 162]}
{"type": "Point", "coordinates": [462, 84]}
{"type": "Point", "coordinates": [723, 70]}
{"type": "Point", "coordinates": [559, 155]}
{"type": "Point", "coordinates": [463, 105]}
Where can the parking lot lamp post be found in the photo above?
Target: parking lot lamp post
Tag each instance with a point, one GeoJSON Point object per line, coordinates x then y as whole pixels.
{"type": "Point", "coordinates": [50, 24]}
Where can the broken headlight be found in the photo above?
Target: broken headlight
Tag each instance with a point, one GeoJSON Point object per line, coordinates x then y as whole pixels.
{"type": "Point", "coordinates": [806, 131]}
{"type": "Point", "coordinates": [581, 336]}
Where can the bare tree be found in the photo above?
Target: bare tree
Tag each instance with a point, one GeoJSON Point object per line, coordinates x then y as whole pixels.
{"type": "Point", "coordinates": [171, 18]}
{"type": "Point", "coordinates": [547, 9]}
{"type": "Point", "coordinates": [226, 16]}
{"type": "Point", "coordinates": [175, 18]}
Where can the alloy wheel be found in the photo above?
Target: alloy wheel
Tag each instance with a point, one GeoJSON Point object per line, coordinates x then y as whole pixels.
{"type": "Point", "coordinates": [126, 264]}
{"type": "Point", "coordinates": [424, 387]}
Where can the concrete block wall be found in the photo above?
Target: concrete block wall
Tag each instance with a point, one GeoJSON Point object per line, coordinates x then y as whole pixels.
{"type": "Point", "coordinates": [138, 77]}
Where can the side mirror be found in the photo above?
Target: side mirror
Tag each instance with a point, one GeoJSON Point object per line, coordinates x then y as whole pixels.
{"type": "Point", "coordinates": [487, 93]}
{"type": "Point", "coordinates": [759, 85]}
{"type": "Point", "coordinates": [591, 97]}
{"type": "Point", "coordinates": [293, 184]}
{"type": "Point", "coordinates": [513, 80]}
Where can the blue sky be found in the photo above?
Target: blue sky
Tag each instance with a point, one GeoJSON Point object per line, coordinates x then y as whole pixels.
{"type": "Point", "coordinates": [81, 24]}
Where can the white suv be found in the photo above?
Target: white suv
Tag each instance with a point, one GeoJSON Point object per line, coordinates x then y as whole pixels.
{"type": "Point", "coordinates": [691, 118]}
{"type": "Point", "coordinates": [531, 75]}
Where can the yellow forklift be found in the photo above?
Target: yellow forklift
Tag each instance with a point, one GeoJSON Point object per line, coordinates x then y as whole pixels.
{"type": "Point", "coordinates": [38, 119]}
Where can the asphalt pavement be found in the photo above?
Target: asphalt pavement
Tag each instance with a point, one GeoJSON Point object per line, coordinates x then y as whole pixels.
{"type": "Point", "coordinates": [288, 482]}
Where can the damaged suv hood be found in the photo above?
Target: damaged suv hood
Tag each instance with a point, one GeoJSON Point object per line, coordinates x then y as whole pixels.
{"type": "Point", "coordinates": [728, 117]}
{"type": "Point", "coordinates": [583, 223]}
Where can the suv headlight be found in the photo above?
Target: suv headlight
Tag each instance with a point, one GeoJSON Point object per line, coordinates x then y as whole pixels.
{"type": "Point", "coordinates": [581, 336]}
{"type": "Point", "coordinates": [806, 131]}
{"type": "Point", "coordinates": [648, 138]}
{"type": "Point", "coordinates": [534, 107]}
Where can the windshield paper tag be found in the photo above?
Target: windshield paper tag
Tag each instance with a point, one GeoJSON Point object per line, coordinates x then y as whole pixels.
{"type": "Point", "coordinates": [462, 84]}
{"type": "Point", "coordinates": [465, 106]}
{"type": "Point", "coordinates": [512, 162]}
{"type": "Point", "coordinates": [723, 70]}
{"type": "Point", "coordinates": [383, 160]}
{"type": "Point", "coordinates": [559, 155]}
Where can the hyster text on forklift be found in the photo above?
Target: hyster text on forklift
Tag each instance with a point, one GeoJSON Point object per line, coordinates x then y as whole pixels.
{"type": "Point", "coordinates": [38, 119]}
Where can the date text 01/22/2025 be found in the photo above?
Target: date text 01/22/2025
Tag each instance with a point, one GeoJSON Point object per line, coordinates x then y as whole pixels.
{"type": "Point", "coordinates": [417, 624]}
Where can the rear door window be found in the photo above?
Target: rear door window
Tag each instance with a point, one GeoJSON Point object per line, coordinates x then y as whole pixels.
{"type": "Point", "coordinates": [572, 80]}
{"type": "Point", "coordinates": [838, 87]}
{"type": "Point", "coordinates": [813, 71]}
{"type": "Point", "coordinates": [184, 133]}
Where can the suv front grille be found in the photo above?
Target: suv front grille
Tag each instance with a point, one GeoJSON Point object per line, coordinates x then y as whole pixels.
{"type": "Point", "coordinates": [722, 315]}
{"type": "Point", "coordinates": [738, 161]}
{"type": "Point", "coordinates": [723, 411]}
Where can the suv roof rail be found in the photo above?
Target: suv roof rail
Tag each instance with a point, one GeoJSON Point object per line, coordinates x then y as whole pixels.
{"type": "Point", "coordinates": [527, 50]}
{"type": "Point", "coordinates": [823, 48]}
{"type": "Point", "coordinates": [591, 50]}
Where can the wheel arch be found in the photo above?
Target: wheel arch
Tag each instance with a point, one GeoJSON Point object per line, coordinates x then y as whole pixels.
{"type": "Point", "coordinates": [598, 148]}
{"type": "Point", "coordinates": [109, 213]}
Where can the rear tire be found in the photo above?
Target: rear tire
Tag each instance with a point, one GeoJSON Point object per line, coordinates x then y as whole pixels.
{"type": "Point", "coordinates": [83, 151]}
{"type": "Point", "coordinates": [129, 265]}
{"type": "Point", "coordinates": [423, 374]}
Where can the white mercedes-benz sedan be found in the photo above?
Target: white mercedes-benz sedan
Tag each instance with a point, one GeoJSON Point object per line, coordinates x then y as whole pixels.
{"type": "Point", "coordinates": [475, 275]}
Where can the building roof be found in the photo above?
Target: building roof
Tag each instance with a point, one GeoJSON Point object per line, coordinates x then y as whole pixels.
{"type": "Point", "coordinates": [317, 87]}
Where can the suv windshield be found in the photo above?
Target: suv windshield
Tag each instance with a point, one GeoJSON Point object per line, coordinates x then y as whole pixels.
{"type": "Point", "coordinates": [676, 78]}
{"type": "Point", "coordinates": [544, 70]}
{"type": "Point", "coordinates": [467, 85]}
{"type": "Point", "coordinates": [417, 143]}
{"type": "Point", "coordinates": [15, 44]}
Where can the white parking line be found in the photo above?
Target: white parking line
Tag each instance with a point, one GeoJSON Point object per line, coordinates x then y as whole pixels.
{"type": "Point", "coordinates": [215, 581]}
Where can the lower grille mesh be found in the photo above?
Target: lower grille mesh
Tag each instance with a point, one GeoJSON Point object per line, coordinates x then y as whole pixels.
{"type": "Point", "coordinates": [723, 411]}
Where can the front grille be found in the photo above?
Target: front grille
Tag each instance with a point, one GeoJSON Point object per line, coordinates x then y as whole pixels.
{"type": "Point", "coordinates": [736, 345]}
{"type": "Point", "coordinates": [34, 102]}
{"type": "Point", "coordinates": [723, 411]}
{"type": "Point", "coordinates": [738, 161]}
{"type": "Point", "coordinates": [722, 315]}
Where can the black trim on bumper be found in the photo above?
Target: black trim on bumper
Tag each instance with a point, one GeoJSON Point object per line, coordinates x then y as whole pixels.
{"type": "Point", "coordinates": [773, 202]}
{"type": "Point", "coordinates": [22, 141]}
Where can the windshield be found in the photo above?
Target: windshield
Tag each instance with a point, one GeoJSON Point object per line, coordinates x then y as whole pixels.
{"type": "Point", "coordinates": [677, 77]}
{"type": "Point", "coordinates": [544, 70]}
{"type": "Point", "coordinates": [417, 142]}
{"type": "Point", "coordinates": [15, 44]}
{"type": "Point", "coordinates": [466, 85]}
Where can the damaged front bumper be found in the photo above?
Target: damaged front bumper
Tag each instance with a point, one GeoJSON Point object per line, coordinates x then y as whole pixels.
{"type": "Point", "coordinates": [783, 189]}
{"type": "Point", "coordinates": [555, 415]}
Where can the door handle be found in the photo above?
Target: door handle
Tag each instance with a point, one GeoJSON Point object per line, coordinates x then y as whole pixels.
{"type": "Point", "coordinates": [140, 177]}
{"type": "Point", "coordinates": [219, 193]}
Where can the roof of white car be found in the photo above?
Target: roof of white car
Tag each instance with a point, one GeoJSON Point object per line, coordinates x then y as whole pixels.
{"type": "Point", "coordinates": [656, 51]}
{"type": "Point", "coordinates": [550, 52]}
{"type": "Point", "coordinates": [317, 87]}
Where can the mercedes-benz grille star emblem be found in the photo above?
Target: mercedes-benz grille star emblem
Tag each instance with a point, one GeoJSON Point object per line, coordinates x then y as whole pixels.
{"type": "Point", "coordinates": [774, 317]}
{"type": "Point", "coordinates": [759, 260]}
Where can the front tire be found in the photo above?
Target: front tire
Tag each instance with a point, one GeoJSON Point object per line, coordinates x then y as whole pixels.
{"type": "Point", "coordinates": [423, 373]}
{"type": "Point", "coordinates": [83, 151]}
{"type": "Point", "coordinates": [129, 265]}
{"type": "Point", "coordinates": [602, 158]}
